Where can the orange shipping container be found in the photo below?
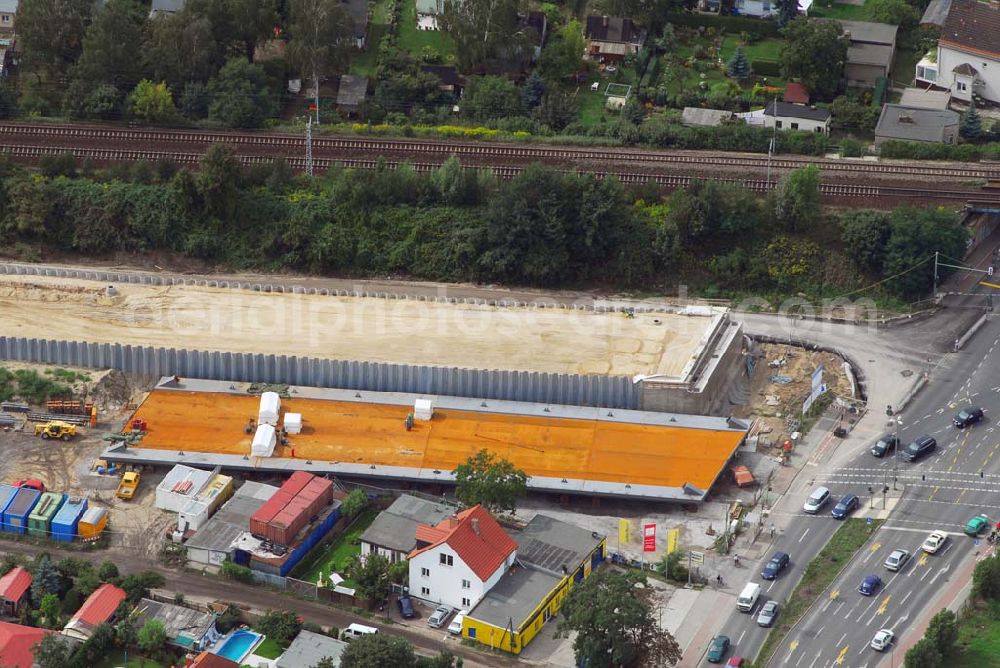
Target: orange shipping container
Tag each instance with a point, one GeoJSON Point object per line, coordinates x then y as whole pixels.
{"type": "Point", "coordinates": [92, 523]}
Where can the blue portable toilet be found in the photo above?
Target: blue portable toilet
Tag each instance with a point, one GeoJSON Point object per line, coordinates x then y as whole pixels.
{"type": "Point", "coordinates": [64, 524]}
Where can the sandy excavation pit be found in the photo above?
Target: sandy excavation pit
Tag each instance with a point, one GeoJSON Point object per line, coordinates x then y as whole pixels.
{"type": "Point", "coordinates": [381, 330]}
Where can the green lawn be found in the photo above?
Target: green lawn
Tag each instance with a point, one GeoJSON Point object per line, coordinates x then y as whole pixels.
{"type": "Point", "coordinates": [834, 10]}
{"type": "Point", "coordinates": [904, 66]}
{"type": "Point", "coordinates": [592, 103]}
{"type": "Point", "coordinates": [116, 658]}
{"type": "Point", "coordinates": [363, 64]}
{"type": "Point", "coordinates": [978, 637]}
{"type": "Point", "coordinates": [414, 41]}
{"type": "Point", "coordinates": [269, 649]}
{"type": "Point", "coordinates": [819, 574]}
{"type": "Point", "coordinates": [765, 49]}
{"type": "Point", "coordinates": [339, 554]}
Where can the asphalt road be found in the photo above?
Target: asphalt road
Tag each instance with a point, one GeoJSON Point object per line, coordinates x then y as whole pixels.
{"type": "Point", "coordinates": [941, 492]}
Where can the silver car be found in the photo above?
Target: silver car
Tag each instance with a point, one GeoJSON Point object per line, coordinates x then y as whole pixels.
{"type": "Point", "coordinates": [439, 616]}
{"type": "Point", "coordinates": [896, 560]}
{"type": "Point", "coordinates": [767, 614]}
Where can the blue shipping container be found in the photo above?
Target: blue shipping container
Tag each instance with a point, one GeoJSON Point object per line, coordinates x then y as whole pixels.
{"type": "Point", "coordinates": [317, 534]}
{"type": "Point", "coordinates": [7, 493]}
{"type": "Point", "coordinates": [66, 520]}
{"type": "Point", "coordinates": [15, 517]}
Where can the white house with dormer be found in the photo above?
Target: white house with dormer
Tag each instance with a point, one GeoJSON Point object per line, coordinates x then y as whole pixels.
{"type": "Point", "coordinates": [967, 60]}
{"type": "Point", "coordinates": [459, 559]}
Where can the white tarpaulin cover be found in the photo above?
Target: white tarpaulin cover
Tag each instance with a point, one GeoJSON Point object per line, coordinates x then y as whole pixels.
{"type": "Point", "coordinates": [263, 441]}
{"type": "Point", "coordinates": [270, 406]}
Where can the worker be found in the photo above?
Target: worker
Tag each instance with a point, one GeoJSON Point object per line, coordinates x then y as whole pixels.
{"type": "Point", "coordinates": [736, 559]}
{"type": "Point", "coordinates": [772, 529]}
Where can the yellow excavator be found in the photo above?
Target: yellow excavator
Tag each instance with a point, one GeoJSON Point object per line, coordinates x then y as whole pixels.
{"type": "Point", "coordinates": [56, 429]}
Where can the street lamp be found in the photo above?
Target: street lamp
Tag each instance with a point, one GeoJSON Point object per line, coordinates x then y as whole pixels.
{"type": "Point", "coordinates": [895, 421]}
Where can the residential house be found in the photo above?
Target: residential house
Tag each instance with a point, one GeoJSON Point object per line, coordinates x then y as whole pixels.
{"type": "Point", "coordinates": [208, 660]}
{"type": "Point", "coordinates": [764, 8]}
{"type": "Point", "coordinates": [99, 608]}
{"type": "Point", "coordinates": [427, 13]}
{"type": "Point", "coordinates": [161, 7]}
{"type": "Point", "coordinates": [708, 118]}
{"type": "Point", "coordinates": [213, 542]}
{"type": "Point", "coordinates": [308, 649]}
{"type": "Point", "coordinates": [16, 643]}
{"type": "Point", "coordinates": [8, 12]}
{"type": "Point", "coordinates": [968, 53]}
{"type": "Point", "coordinates": [552, 556]}
{"type": "Point", "coordinates": [450, 80]}
{"type": "Point", "coordinates": [896, 122]}
{"type": "Point", "coordinates": [357, 11]}
{"type": "Point", "coordinates": [796, 93]}
{"type": "Point", "coordinates": [393, 534]}
{"type": "Point", "coordinates": [936, 13]}
{"type": "Point", "coordinates": [785, 116]}
{"type": "Point", "coordinates": [186, 628]}
{"type": "Point", "coordinates": [351, 94]}
{"type": "Point", "coordinates": [612, 38]}
{"type": "Point", "coordinates": [14, 590]}
{"type": "Point", "coordinates": [459, 559]}
{"type": "Point", "coordinates": [870, 53]}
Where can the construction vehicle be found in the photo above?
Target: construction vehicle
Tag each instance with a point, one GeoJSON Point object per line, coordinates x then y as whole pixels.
{"type": "Point", "coordinates": [128, 484]}
{"type": "Point", "coordinates": [56, 429]}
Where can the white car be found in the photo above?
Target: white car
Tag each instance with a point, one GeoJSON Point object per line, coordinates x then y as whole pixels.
{"type": "Point", "coordinates": [882, 640]}
{"type": "Point", "coordinates": [897, 560]}
{"type": "Point", "coordinates": [934, 541]}
{"type": "Point", "coordinates": [455, 628]}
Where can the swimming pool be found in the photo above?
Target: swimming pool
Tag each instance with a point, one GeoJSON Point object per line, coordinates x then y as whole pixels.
{"type": "Point", "coordinates": [239, 645]}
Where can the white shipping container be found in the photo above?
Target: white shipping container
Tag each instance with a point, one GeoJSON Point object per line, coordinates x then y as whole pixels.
{"type": "Point", "coordinates": [263, 441]}
{"type": "Point", "coordinates": [270, 408]}
{"type": "Point", "coordinates": [293, 423]}
{"type": "Point", "coordinates": [423, 409]}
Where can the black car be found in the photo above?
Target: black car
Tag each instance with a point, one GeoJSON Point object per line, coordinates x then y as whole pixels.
{"type": "Point", "coordinates": [968, 416]}
{"type": "Point", "coordinates": [405, 607]}
{"type": "Point", "coordinates": [922, 446]}
{"type": "Point", "coordinates": [773, 568]}
{"type": "Point", "coordinates": [845, 506]}
{"type": "Point", "coordinates": [885, 445]}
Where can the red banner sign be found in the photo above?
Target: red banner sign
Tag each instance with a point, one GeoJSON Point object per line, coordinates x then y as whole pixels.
{"type": "Point", "coordinates": [649, 538]}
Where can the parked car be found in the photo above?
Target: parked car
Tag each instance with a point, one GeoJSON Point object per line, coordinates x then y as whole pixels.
{"type": "Point", "coordinates": [31, 483]}
{"type": "Point", "coordinates": [896, 560]}
{"type": "Point", "coordinates": [845, 506]}
{"type": "Point", "coordinates": [717, 649]}
{"type": "Point", "coordinates": [869, 585]}
{"type": "Point", "coordinates": [405, 607]}
{"type": "Point", "coordinates": [969, 415]}
{"type": "Point", "coordinates": [934, 541]}
{"type": "Point", "coordinates": [882, 640]}
{"type": "Point", "coordinates": [816, 500]}
{"type": "Point", "coordinates": [772, 569]}
{"type": "Point", "coordinates": [439, 616]}
{"type": "Point", "coordinates": [924, 445]}
{"type": "Point", "coordinates": [455, 628]}
{"type": "Point", "coordinates": [977, 525]}
{"type": "Point", "coordinates": [736, 661]}
{"type": "Point", "coordinates": [767, 614]}
{"type": "Point", "coordinates": [885, 445]}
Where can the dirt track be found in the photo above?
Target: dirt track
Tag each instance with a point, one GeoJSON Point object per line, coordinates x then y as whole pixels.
{"type": "Point", "coordinates": [382, 330]}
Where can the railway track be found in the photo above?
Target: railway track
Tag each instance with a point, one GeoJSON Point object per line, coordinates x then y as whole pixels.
{"type": "Point", "coordinates": [290, 145]}
{"type": "Point", "coordinates": [840, 190]}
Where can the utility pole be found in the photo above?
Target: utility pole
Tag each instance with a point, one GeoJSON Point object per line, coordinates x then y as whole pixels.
{"type": "Point", "coordinates": [936, 253]}
{"type": "Point", "coordinates": [309, 147]}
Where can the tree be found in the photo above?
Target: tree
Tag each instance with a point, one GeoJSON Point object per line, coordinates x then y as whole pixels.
{"type": "Point", "coordinates": [253, 20]}
{"type": "Point", "coordinates": [378, 650]}
{"type": "Point", "coordinates": [923, 655]}
{"type": "Point", "coordinates": [50, 35]}
{"type": "Point", "coordinates": [532, 91]}
{"type": "Point", "coordinates": [325, 662]}
{"type": "Point", "coordinates": [46, 579]}
{"type": "Point", "coordinates": [370, 574]}
{"type": "Point", "coordinates": [893, 12]}
{"type": "Point", "coordinates": [50, 611]}
{"type": "Point", "coordinates": [280, 625]}
{"type": "Point", "coordinates": [785, 11]}
{"type": "Point", "coordinates": [219, 181]}
{"type": "Point", "coordinates": [152, 102]}
{"type": "Point", "coordinates": [814, 52]}
{"type": "Point", "coordinates": [241, 96]}
{"type": "Point", "coordinates": [111, 45]}
{"type": "Point", "coordinates": [796, 200]}
{"type": "Point", "coordinates": [107, 571]}
{"type": "Point", "coordinates": [483, 30]}
{"type": "Point", "coordinates": [152, 637]}
{"type": "Point", "coordinates": [943, 632]}
{"type": "Point", "coordinates": [181, 49]}
{"type": "Point", "coordinates": [986, 579]}
{"type": "Point", "coordinates": [738, 66]}
{"type": "Point", "coordinates": [612, 613]}
{"type": "Point", "coordinates": [354, 503]}
{"type": "Point", "coordinates": [318, 29]}
{"type": "Point", "coordinates": [916, 235]}
{"type": "Point", "coordinates": [51, 651]}
{"type": "Point", "coordinates": [972, 124]}
{"type": "Point", "coordinates": [563, 53]}
{"type": "Point", "coordinates": [137, 585]}
{"type": "Point", "coordinates": [493, 483]}
{"type": "Point", "coordinates": [490, 97]}
{"type": "Point", "coordinates": [558, 108]}
{"type": "Point", "coordinates": [865, 234]}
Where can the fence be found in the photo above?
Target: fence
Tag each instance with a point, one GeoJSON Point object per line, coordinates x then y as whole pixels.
{"type": "Point", "coordinates": [534, 387]}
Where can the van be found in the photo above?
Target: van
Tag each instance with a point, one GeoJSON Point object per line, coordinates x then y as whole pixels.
{"type": "Point", "coordinates": [816, 500]}
{"type": "Point", "coordinates": [356, 631]}
{"type": "Point", "coordinates": [455, 628]}
{"type": "Point", "coordinates": [748, 597]}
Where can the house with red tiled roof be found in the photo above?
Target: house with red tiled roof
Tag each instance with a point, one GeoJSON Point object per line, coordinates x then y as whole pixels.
{"type": "Point", "coordinates": [968, 57]}
{"type": "Point", "coordinates": [16, 643]}
{"type": "Point", "coordinates": [208, 660]}
{"type": "Point", "coordinates": [14, 590]}
{"type": "Point", "coordinates": [459, 559]}
{"type": "Point", "coordinates": [99, 608]}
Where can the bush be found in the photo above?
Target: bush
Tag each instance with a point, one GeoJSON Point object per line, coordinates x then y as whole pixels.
{"type": "Point", "coordinates": [731, 24]}
{"type": "Point", "coordinates": [766, 68]}
{"type": "Point", "coordinates": [233, 571]}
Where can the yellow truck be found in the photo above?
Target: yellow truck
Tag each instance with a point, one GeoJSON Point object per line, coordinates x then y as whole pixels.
{"type": "Point", "coordinates": [129, 483]}
{"type": "Point", "coordinates": [56, 429]}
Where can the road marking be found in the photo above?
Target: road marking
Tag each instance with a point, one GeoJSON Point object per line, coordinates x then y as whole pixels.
{"type": "Point", "coordinates": [840, 657]}
{"type": "Point", "coordinates": [841, 639]}
{"type": "Point", "coordinates": [834, 594]}
{"type": "Point", "coordinates": [815, 660]}
{"type": "Point", "coordinates": [940, 572]}
{"type": "Point", "coordinates": [793, 645]}
{"type": "Point", "coordinates": [903, 602]}
{"type": "Point", "coordinates": [922, 560]}
{"type": "Point", "coordinates": [768, 590]}
{"type": "Point", "coordinates": [804, 534]}
{"type": "Point", "coordinates": [741, 637]}
{"type": "Point", "coordinates": [885, 604]}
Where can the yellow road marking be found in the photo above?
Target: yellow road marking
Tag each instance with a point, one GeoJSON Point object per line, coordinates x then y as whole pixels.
{"type": "Point", "coordinates": [875, 546]}
{"type": "Point", "coordinates": [793, 645]}
{"type": "Point", "coordinates": [834, 594]}
{"type": "Point", "coordinates": [885, 604]}
{"type": "Point", "coordinates": [843, 653]}
{"type": "Point", "coordinates": [931, 497]}
{"type": "Point", "coordinates": [922, 561]}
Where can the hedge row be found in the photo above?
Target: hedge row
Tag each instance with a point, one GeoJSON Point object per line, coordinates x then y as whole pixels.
{"type": "Point", "coordinates": [731, 24]}
{"type": "Point", "coordinates": [925, 151]}
{"type": "Point", "coordinates": [766, 68]}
